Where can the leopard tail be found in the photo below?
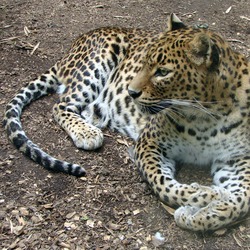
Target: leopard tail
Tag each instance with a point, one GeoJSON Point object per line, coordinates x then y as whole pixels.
{"type": "Point", "coordinates": [45, 84]}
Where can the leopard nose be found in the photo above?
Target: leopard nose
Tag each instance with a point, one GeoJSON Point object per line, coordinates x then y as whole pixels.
{"type": "Point", "coordinates": [134, 94]}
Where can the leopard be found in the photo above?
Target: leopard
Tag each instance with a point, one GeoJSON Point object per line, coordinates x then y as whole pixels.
{"type": "Point", "coordinates": [181, 94]}
{"type": "Point", "coordinates": [198, 90]}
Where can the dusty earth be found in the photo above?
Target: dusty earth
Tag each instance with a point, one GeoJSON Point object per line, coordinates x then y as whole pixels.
{"type": "Point", "coordinates": [111, 208]}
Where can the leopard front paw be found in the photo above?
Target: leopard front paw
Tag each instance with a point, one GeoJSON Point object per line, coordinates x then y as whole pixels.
{"type": "Point", "coordinates": [90, 139]}
{"type": "Point", "coordinates": [183, 216]}
{"type": "Point", "coordinates": [216, 215]}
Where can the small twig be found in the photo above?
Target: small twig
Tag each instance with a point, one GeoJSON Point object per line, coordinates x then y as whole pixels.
{"type": "Point", "coordinates": [244, 17]}
{"type": "Point", "coordinates": [237, 240]}
{"type": "Point", "coordinates": [122, 17]}
{"type": "Point", "coordinates": [26, 30]}
{"type": "Point", "coordinates": [5, 40]}
{"type": "Point", "coordinates": [35, 48]}
{"type": "Point", "coordinates": [100, 6]}
{"type": "Point", "coordinates": [27, 46]}
{"type": "Point", "coordinates": [6, 26]}
{"type": "Point", "coordinates": [234, 41]}
{"type": "Point", "coordinates": [110, 231]}
{"type": "Point", "coordinates": [108, 135]}
{"type": "Point", "coordinates": [189, 14]}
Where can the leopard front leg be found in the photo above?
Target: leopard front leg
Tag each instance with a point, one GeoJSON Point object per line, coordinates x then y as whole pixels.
{"type": "Point", "coordinates": [159, 172]}
{"type": "Point", "coordinates": [83, 134]}
{"type": "Point", "coordinates": [201, 208]}
{"type": "Point", "coordinates": [232, 176]}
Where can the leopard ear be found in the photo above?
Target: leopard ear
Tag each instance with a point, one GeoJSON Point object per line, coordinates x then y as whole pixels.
{"type": "Point", "coordinates": [202, 50]}
{"type": "Point", "coordinates": [174, 23]}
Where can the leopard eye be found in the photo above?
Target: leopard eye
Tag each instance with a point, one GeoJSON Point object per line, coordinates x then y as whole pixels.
{"type": "Point", "coordinates": [162, 72]}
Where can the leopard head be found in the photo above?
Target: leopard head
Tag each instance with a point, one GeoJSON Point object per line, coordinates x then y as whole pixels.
{"type": "Point", "coordinates": [179, 68]}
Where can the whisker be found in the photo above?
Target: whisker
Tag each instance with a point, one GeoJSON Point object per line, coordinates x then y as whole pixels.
{"type": "Point", "coordinates": [206, 110]}
{"type": "Point", "coordinates": [171, 113]}
{"type": "Point", "coordinates": [175, 106]}
{"type": "Point", "coordinates": [197, 105]}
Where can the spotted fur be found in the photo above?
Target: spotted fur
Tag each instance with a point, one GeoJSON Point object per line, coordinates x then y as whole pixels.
{"type": "Point", "coordinates": [199, 90]}
{"type": "Point", "coordinates": [92, 80]}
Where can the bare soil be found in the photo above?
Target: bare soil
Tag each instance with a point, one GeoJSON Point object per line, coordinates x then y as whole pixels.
{"type": "Point", "coordinates": [110, 208]}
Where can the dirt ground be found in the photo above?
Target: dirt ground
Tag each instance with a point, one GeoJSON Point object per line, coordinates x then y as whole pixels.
{"type": "Point", "coordinates": [110, 208]}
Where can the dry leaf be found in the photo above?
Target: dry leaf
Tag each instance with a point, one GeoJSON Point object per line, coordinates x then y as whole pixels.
{"type": "Point", "coordinates": [18, 230]}
{"type": "Point", "coordinates": [123, 142]}
{"type": "Point", "coordinates": [14, 244]}
{"type": "Point", "coordinates": [170, 210]}
{"type": "Point", "coordinates": [106, 237]}
{"type": "Point", "coordinates": [220, 232]}
{"type": "Point", "coordinates": [21, 182]}
{"type": "Point", "coordinates": [63, 244]}
{"type": "Point", "coordinates": [127, 212]}
{"type": "Point", "coordinates": [144, 248]}
{"type": "Point", "coordinates": [36, 219]}
{"type": "Point", "coordinates": [70, 215]}
{"type": "Point", "coordinates": [76, 218]}
{"type": "Point", "coordinates": [84, 217]}
{"type": "Point", "coordinates": [90, 223]}
{"type": "Point", "coordinates": [69, 225]}
{"type": "Point", "coordinates": [83, 178]}
{"type": "Point", "coordinates": [48, 206]}
{"type": "Point", "coordinates": [21, 221]}
{"type": "Point", "coordinates": [11, 157]}
{"type": "Point", "coordinates": [137, 211]}
{"type": "Point", "coordinates": [15, 212]}
{"type": "Point", "coordinates": [148, 238]}
{"type": "Point", "coordinates": [49, 175]}
{"type": "Point", "coordinates": [24, 211]}
{"type": "Point", "coordinates": [114, 226]}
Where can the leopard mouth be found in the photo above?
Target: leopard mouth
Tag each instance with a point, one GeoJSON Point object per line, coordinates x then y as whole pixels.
{"type": "Point", "coordinates": [154, 108]}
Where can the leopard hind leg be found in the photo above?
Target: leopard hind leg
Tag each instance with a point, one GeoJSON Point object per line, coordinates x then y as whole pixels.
{"type": "Point", "coordinates": [68, 113]}
{"type": "Point", "coordinates": [84, 135]}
